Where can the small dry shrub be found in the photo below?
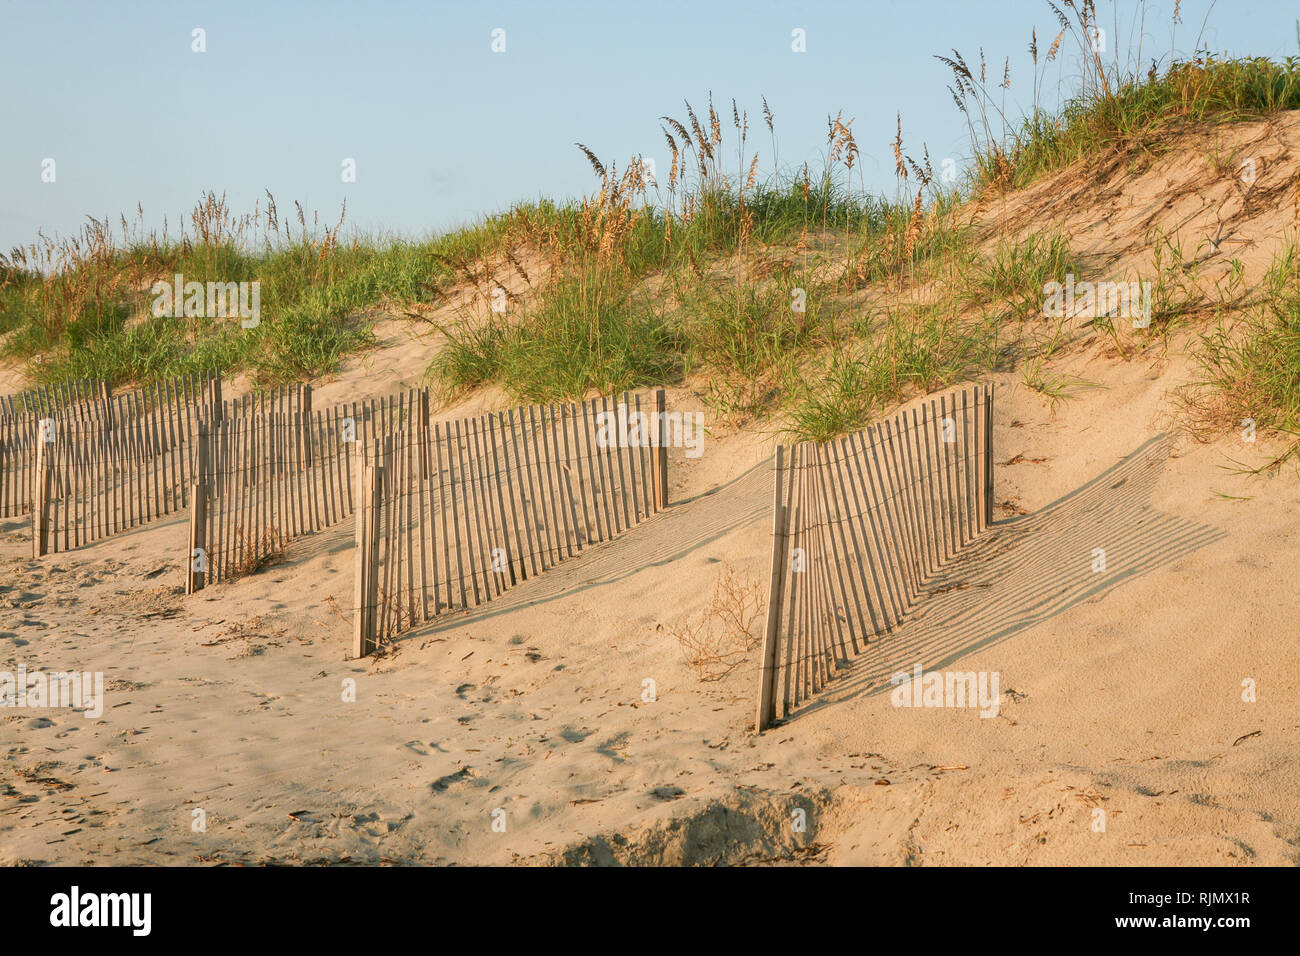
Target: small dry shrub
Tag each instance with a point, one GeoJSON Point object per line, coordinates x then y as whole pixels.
{"type": "Point", "coordinates": [717, 642]}
{"type": "Point", "coordinates": [255, 553]}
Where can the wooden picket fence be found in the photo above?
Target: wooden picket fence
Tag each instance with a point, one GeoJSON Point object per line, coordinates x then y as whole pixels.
{"type": "Point", "coordinates": [449, 514]}
{"type": "Point", "coordinates": [859, 524]}
{"type": "Point", "coordinates": [452, 514]}
{"type": "Point", "coordinates": [44, 400]}
{"type": "Point", "coordinates": [20, 418]}
{"type": "Point", "coordinates": [106, 465]}
{"type": "Point", "coordinates": [271, 469]}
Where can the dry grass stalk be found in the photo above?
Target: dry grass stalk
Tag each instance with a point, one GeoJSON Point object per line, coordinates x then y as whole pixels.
{"type": "Point", "coordinates": [719, 640]}
{"type": "Point", "coordinates": [258, 552]}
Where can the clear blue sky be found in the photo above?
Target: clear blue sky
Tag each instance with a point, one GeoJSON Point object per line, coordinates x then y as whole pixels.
{"type": "Point", "coordinates": [444, 130]}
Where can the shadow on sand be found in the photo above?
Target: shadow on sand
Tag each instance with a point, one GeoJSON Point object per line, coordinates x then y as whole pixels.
{"type": "Point", "coordinates": [1030, 569]}
{"type": "Point", "coordinates": [661, 539]}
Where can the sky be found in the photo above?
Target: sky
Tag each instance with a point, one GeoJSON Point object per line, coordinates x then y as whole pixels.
{"type": "Point", "coordinates": [443, 130]}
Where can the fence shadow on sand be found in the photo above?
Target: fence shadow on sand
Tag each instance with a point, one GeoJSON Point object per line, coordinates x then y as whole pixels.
{"type": "Point", "coordinates": [1030, 569]}
{"type": "Point", "coordinates": [663, 538]}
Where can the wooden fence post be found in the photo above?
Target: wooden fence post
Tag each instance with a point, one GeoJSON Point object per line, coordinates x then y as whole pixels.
{"type": "Point", "coordinates": [6, 456]}
{"type": "Point", "coordinates": [661, 452]}
{"type": "Point", "coordinates": [768, 660]}
{"type": "Point", "coordinates": [988, 456]}
{"type": "Point", "coordinates": [361, 551]}
{"type": "Point", "coordinates": [423, 433]}
{"type": "Point", "coordinates": [214, 394]}
{"type": "Point", "coordinates": [302, 422]}
{"type": "Point", "coordinates": [195, 578]}
{"type": "Point", "coordinates": [105, 403]}
{"type": "Point", "coordinates": [106, 412]}
{"type": "Point", "coordinates": [198, 556]}
{"type": "Point", "coordinates": [366, 591]}
{"type": "Point", "coordinates": [380, 470]}
{"type": "Point", "coordinates": [41, 493]}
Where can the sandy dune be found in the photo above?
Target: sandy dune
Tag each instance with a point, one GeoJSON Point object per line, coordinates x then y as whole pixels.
{"type": "Point", "coordinates": [1120, 690]}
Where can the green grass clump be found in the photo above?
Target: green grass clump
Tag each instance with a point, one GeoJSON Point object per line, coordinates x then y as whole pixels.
{"type": "Point", "coordinates": [1250, 369]}
{"type": "Point", "coordinates": [747, 276]}
{"type": "Point", "coordinates": [593, 330]}
{"type": "Point", "coordinates": [83, 307]}
{"type": "Point", "coordinates": [1141, 113]}
{"type": "Point", "coordinates": [1013, 277]}
{"type": "Point", "coordinates": [744, 329]}
{"type": "Point", "coordinates": [915, 348]}
{"type": "Point", "coordinates": [1116, 107]}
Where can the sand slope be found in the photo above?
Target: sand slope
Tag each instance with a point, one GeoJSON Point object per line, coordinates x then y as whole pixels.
{"type": "Point", "coordinates": [1121, 691]}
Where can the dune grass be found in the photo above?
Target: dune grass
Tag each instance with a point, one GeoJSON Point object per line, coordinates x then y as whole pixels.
{"type": "Point", "coordinates": [1126, 100]}
{"type": "Point", "coordinates": [1250, 362]}
{"type": "Point", "coordinates": [795, 295]}
{"type": "Point", "coordinates": [82, 307]}
{"type": "Point", "coordinates": [593, 330]}
{"type": "Point", "coordinates": [709, 275]}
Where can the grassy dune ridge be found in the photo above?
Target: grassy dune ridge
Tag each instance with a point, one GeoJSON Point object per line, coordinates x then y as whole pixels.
{"type": "Point", "coordinates": [795, 296]}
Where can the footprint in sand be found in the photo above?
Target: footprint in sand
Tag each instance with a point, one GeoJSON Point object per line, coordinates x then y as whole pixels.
{"type": "Point", "coordinates": [444, 783]}
{"type": "Point", "coordinates": [613, 747]}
